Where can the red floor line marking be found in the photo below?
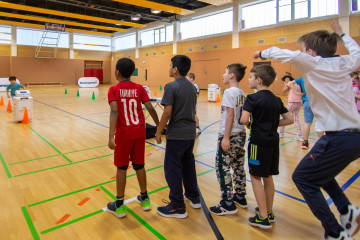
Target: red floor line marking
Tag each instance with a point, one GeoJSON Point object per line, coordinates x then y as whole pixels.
{"type": "Point", "coordinates": [83, 201]}
{"type": "Point", "coordinates": [158, 149]}
{"type": "Point", "coordinates": [98, 190]}
{"type": "Point", "coordinates": [113, 177]}
{"type": "Point", "coordinates": [148, 154]}
{"type": "Point", "coordinates": [129, 167]}
{"type": "Point", "coordinates": [63, 219]}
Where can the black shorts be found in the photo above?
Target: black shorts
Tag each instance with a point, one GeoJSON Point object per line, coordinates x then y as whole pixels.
{"type": "Point", "coordinates": [263, 160]}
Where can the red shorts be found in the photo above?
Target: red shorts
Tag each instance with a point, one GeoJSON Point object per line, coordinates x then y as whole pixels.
{"type": "Point", "coordinates": [129, 150]}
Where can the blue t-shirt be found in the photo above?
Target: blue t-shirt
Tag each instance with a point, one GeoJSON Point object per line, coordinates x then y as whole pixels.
{"type": "Point", "coordinates": [13, 88]}
{"type": "Point", "coordinates": [300, 82]}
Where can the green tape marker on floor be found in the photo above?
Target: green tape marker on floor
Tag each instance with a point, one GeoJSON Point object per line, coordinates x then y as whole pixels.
{"type": "Point", "coordinates": [30, 223]}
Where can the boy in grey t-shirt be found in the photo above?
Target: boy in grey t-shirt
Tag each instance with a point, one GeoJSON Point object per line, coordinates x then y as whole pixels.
{"type": "Point", "coordinates": [179, 102]}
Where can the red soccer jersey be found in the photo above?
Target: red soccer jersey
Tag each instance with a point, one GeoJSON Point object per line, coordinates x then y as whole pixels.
{"type": "Point", "coordinates": [131, 121]}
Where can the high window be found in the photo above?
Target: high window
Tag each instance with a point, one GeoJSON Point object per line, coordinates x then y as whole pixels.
{"type": "Point", "coordinates": [203, 26]}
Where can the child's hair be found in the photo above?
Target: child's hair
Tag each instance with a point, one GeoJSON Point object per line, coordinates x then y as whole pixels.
{"type": "Point", "coordinates": [191, 75]}
{"type": "Point", "coordinates": [183, 64]}
{"type": "Point", "coordinates": [321, 41]}
{"type": "Point", "coordinates": [126, 67]}
{"type": "Point", "coordinates": [287, 76]}
{"type": "Point", "coordinates": [353, 74]}
{"type": "Point", "coordinates": [12, 78]}
{"type": "Point", "coordinates": [265, 72]}
{"type": "Point", "coordinates": [238, 70]}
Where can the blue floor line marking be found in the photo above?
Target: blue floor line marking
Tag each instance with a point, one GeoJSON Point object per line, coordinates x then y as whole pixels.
{"type": "Point", "coordinates": [72, 114]}
{"type": "Point", "coordinates": [285, 194]}
{"type": "Point", "coordinates": [346, 185]}
{"type": "Point", "coordinates": [162, 147]}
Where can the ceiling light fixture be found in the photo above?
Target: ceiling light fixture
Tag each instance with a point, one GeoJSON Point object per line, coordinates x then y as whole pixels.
{"type": "Point", "coordinates": [136, 17]}
{"type": "Point", "coordinates": [155, 11]}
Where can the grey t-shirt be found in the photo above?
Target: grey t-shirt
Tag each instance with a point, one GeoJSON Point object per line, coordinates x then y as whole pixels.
{"type": "Point", "coordinates": [181, 95]}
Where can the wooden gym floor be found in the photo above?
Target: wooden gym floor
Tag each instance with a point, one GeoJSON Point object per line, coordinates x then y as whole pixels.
{"type": "Point", "coordinates": [57, 175]}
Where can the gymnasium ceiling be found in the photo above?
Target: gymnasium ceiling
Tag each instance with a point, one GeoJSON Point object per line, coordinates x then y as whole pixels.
{"type": "Point", "coordinates": [98, 16]}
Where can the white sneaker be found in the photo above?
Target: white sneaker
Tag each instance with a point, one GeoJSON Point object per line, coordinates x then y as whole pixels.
{"type": "Point", "coordinates": [298, 138]}
{"type": "Point", "coordinates": [351, 221]}
{"type": "Point", "coordinates": [198, 130]}
{"type": "Point", "coordinates": [343, 236]}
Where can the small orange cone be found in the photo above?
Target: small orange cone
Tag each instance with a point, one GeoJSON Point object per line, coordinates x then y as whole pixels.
{"type": "Point", "coordinates": [25, 118]}
{"type": "Point", "coordinates": [218, 98]}
{"type": "Point", "coordinates": [9, 108]}
{"type": "Point", "coordinates": [1, 101]}
{"type": "Point", "coordinates": [155, 94]}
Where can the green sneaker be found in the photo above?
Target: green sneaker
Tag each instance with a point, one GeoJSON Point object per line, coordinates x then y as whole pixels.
{"type": "Point", "coordinates": [117, 211]}
{"type": "Point", "coordinates": [146, 205]}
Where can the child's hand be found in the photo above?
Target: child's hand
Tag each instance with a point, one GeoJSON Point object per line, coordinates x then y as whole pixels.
{"type": "Point", "coordinates": [112, 144]}
{"type": "Point", "coordinates": [158, 138]}
{"type": "Point", "coordinates": [336, 27]}
{"type": "Point", "coordinates": [256, 54]}
{"type": "Point", "coordinates": [225, 144]}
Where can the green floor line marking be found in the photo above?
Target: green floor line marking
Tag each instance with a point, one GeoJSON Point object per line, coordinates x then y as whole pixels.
{"type": "Point", "coordinates": [68, 194]}
{"type": "Point", "coordinates": [34, 159]}
{"type": "Point", "coordinates": [200, 174]}
{"type": "Point", "coordinates": [5, 167]}
{"type": "Point", "coordinates": [294, 127]}
{"type": "Point", "coordinates": [71, 222]}
{"type": "Point", "coordinates": [30, 223]}
{"type": "Point", "coordinates": [158, 190]}
{"type": "Point", "coordinates": [149, 146]}
{"type": "Point", "coordinates": [100, 211]}
{"type": "Point", "coordinates": [165, 187]}
{"type": "Point", "coordinates": [57, 150]}
{"type": "Point", "coordinates": [145, 224]}
{"type": "Point", "coordinates": [142, 221]}
{"type": "Point", "coordinates": [45, 169]}
{"type": "Point", "coordinates": [286, 143]}
{"type": "Point", "coordinates": [84, 189]}
{"type": "Point", "coordinates": [204, 153]}
{"type": "Point", "coordinates": [85, 149]}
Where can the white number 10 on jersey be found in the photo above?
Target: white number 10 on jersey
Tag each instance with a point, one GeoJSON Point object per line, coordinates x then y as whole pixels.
{"type": "Point", "coordinates": [132, 110]}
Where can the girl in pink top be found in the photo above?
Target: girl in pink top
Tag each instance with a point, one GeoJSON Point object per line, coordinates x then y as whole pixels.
{"type": "Point", "coordinates": [355, 79]}
{"type": "Point", "coordinates": [294, 95]}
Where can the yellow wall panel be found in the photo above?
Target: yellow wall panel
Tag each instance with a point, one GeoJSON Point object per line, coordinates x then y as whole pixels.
{"type": "Point", "coordinates": [92, 55]}
{"type": "Point", "coordinates": [29, 51]}
{"type": "Point", "coordinates": [221, 42]}
{"type": "Point", "coordinates": [354, 25]}
{"type": "Point", "coordinates": [124, 53]}
{"type": "Point", "coordinates": [157, 50]}
{"type": "Point", "coordinates": [5, 49]}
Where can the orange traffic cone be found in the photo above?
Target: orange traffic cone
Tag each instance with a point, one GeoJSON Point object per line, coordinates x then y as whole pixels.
{"type": "Point", "coordinates": [1, 101]}
{"type": "Point", "coordinates": [218, 98]}
{"type": "Point", "coordinates": [9, 108]}
{"type": "Point", "coordinates": [25, 118]}
{"type": "Point", "coordinates": [155, 94]}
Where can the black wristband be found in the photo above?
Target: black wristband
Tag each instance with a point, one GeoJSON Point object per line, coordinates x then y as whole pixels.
{"type": "Point", "coordinates": [342, 35]}
{"type": "Point", "coordinates": [261, 56]}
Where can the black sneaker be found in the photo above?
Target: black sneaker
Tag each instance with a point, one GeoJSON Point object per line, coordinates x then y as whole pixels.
{"type": "Point", "coordinates": [194, 201]}
{"type": "Point", "coordinates": [241, 202]}
{"type": "Point", "coordinates": [270, 215]}
{"type": "Point", "coordinates": [170, 211]}
{"type": "Point", "coordinates": [257, 221]}
{"type": "Point", "coordinates": [223, 209]}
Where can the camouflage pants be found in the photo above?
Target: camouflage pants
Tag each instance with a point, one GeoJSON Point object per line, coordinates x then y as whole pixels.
{"type": "Point", "coordinates": [233, 159]}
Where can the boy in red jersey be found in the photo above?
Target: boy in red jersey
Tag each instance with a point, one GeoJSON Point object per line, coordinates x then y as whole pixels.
{"type": "Point", "coordinates": [127, 117]}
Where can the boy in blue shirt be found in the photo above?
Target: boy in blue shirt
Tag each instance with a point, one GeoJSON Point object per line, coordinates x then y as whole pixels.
{"type": "Point", "coordinates": [13, 86]}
